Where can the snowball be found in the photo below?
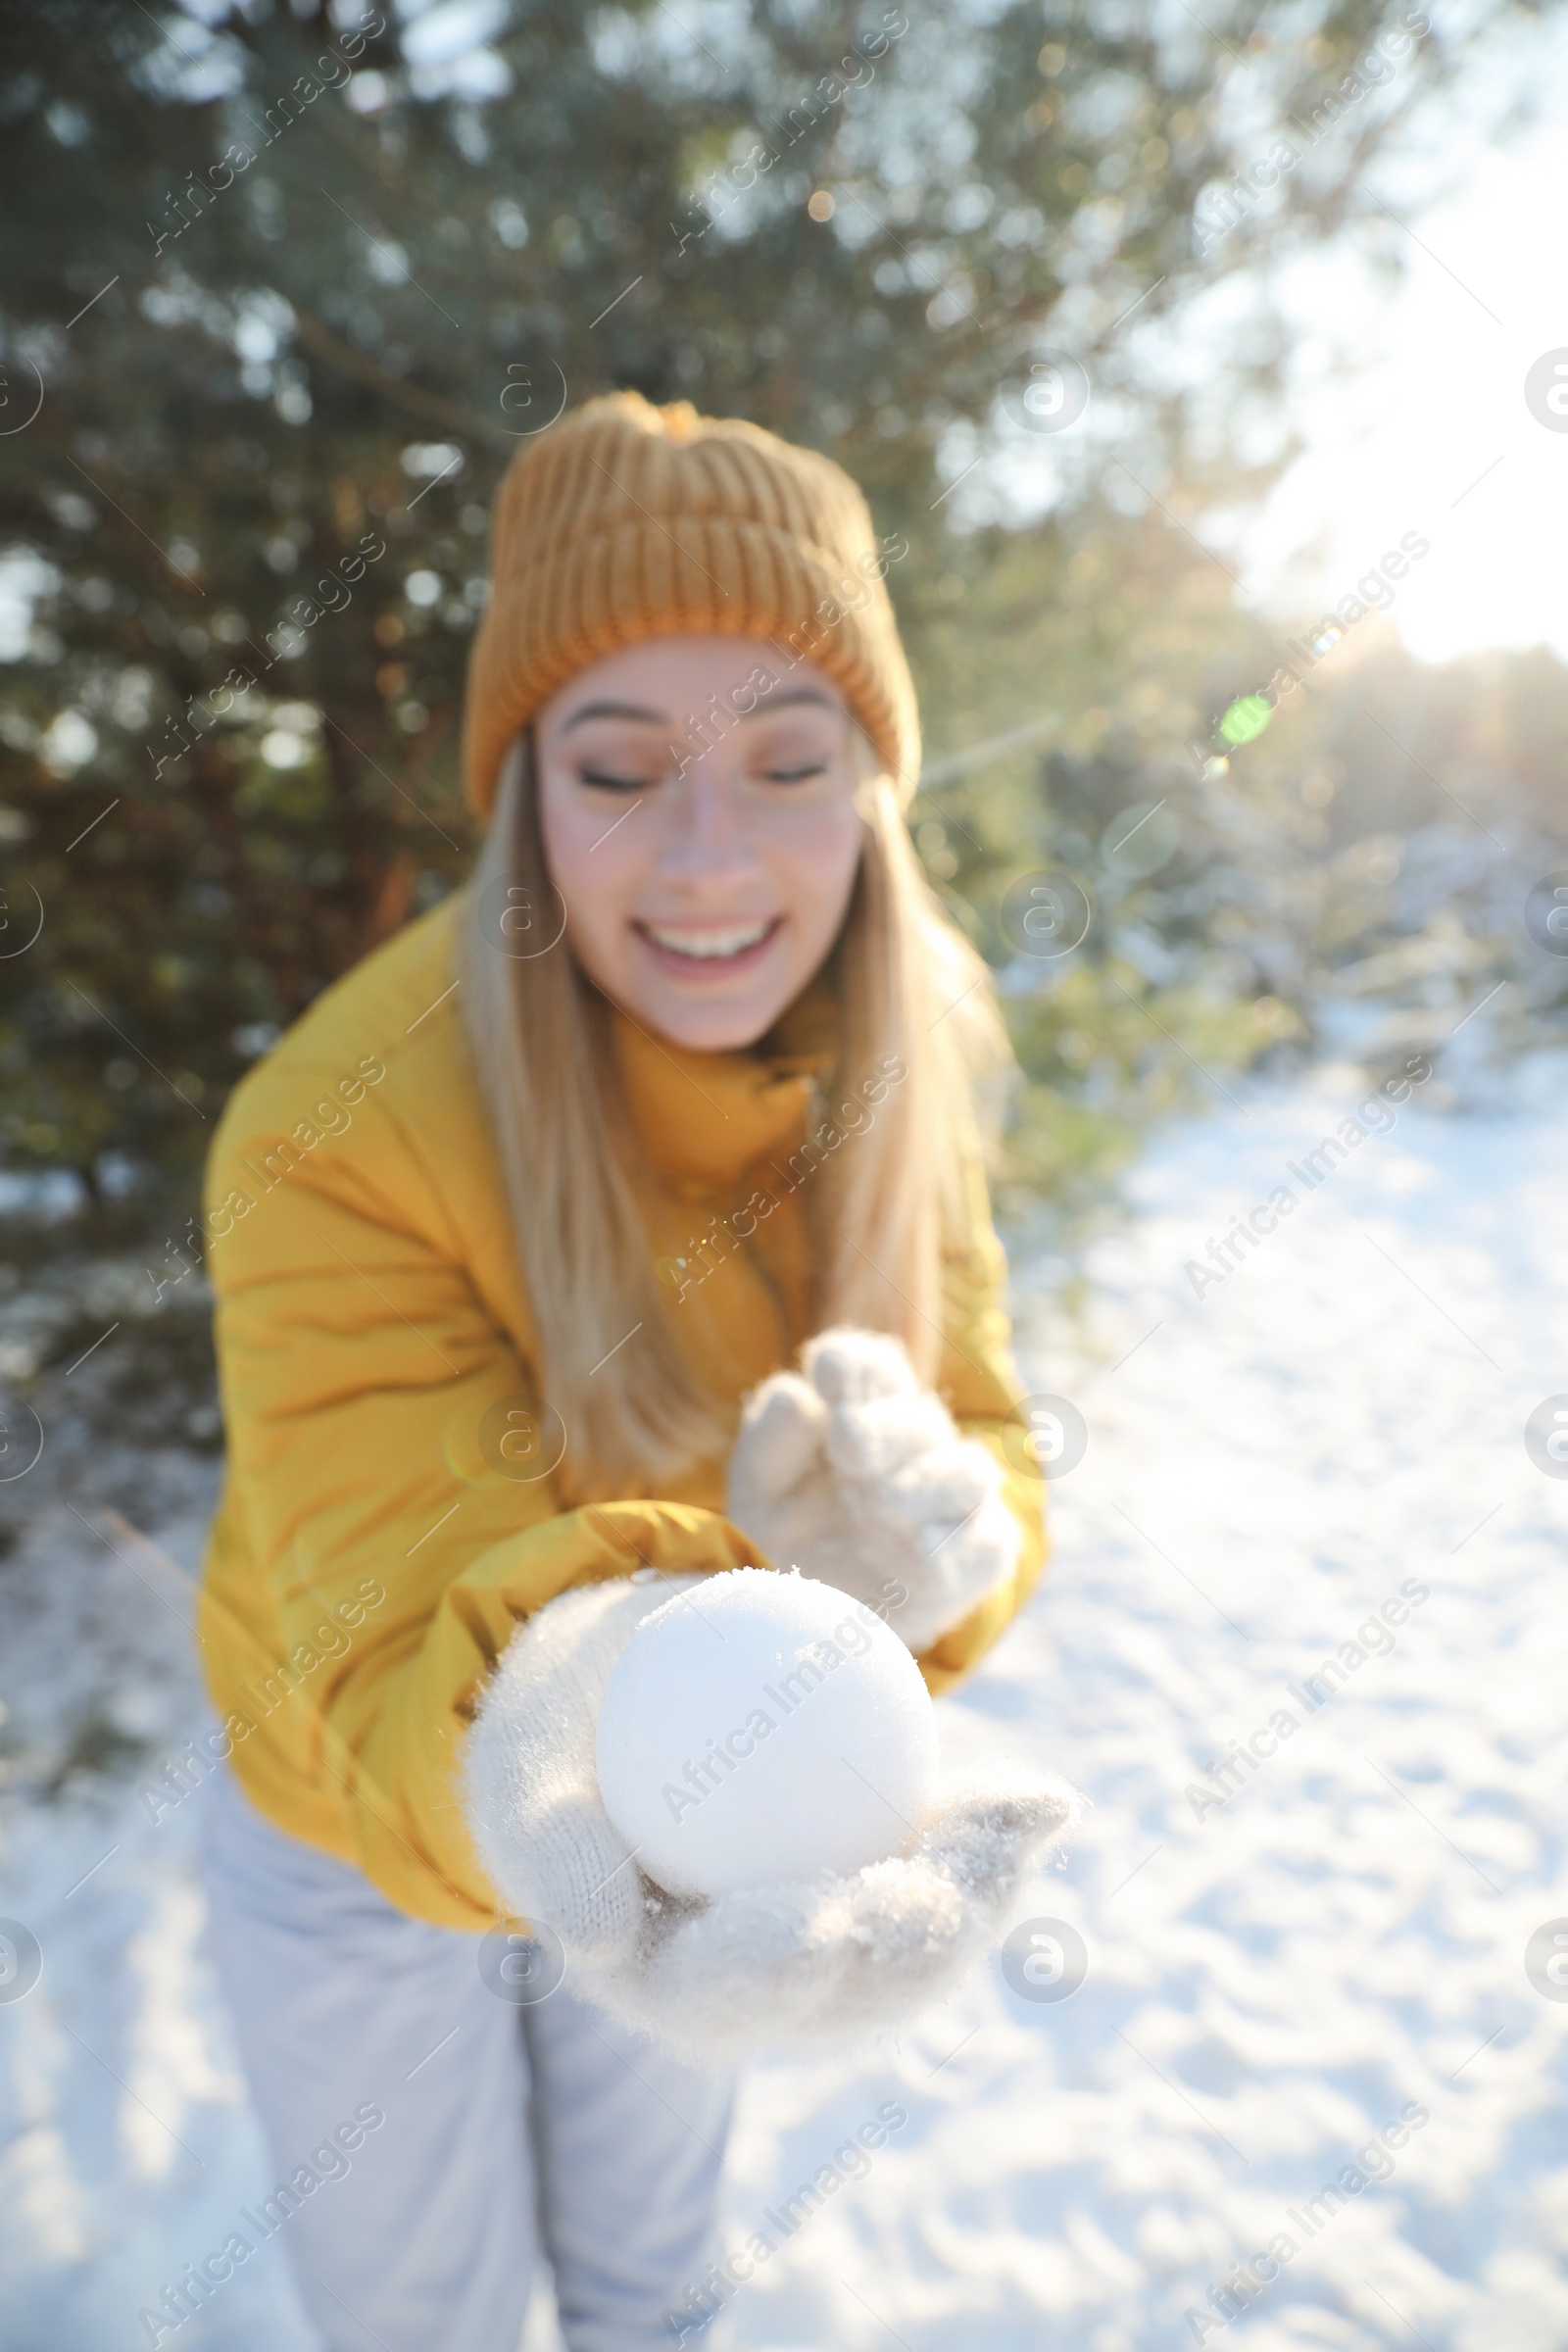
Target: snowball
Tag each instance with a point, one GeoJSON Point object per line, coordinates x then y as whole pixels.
{"type": "Point", "coordinates": [764, 1727]}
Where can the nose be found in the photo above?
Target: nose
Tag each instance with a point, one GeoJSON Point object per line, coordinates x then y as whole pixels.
{"type": "Point", "coordinates": [708, 840]}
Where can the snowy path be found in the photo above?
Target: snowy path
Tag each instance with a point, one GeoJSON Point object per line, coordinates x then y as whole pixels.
{"type": "Point", "coordinates": [1272, 1980]}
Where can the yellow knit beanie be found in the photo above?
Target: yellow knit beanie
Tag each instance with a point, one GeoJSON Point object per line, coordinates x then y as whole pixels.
{"type": "Point", "coordinates": [626, 521]}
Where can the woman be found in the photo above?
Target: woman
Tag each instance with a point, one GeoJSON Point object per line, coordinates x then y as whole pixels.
{"type": "Point", "coordinates": [503, 1234]}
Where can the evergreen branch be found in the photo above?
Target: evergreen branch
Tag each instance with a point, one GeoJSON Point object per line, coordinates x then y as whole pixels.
{"type": "Point", "coordinates": [431, 407]}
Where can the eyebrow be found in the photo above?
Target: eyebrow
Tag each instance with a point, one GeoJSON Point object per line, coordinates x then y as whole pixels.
{"type": "Point", "coordinates": [637, 710]}
{"type": "Point", "coordinates": [791, 694]}
{"type": "Point", "coordinates": [643, 715]}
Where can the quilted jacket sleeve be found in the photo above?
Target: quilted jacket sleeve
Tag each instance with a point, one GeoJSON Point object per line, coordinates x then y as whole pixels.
{"type": "Point", "coordinates": [980, 1384]}
{"type": "Point", "coordinates": [388, 1515]}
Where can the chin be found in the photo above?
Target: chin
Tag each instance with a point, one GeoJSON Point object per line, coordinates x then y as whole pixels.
{"type": "Point", "coordinates": [711, 1028]}
{"type": "Point", "coordinates": [711, 1021]}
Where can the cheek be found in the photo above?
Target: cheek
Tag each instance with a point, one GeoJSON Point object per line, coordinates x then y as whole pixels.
{"type": "Point", "coordinates": [814, 855]}
{"type": "Point", "coordinates": [596, 870]}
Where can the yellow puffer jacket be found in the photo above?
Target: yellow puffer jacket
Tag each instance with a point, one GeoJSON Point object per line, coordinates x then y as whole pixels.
{"type": "Point", "coordinates": [372, 1554]}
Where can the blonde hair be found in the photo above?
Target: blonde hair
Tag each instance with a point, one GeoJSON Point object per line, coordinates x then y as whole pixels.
{"type": "Point", "coordinates": [882, 1216]}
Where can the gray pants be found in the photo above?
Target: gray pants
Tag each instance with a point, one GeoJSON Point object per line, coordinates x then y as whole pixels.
{"type": "Point", "coordinates": [502, 2127]}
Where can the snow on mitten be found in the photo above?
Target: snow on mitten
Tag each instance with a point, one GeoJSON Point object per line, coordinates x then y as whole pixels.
{"type": "Point", "coordinates": [852, 1473]}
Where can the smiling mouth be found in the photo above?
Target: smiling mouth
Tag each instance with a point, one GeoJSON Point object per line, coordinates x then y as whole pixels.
{"type": "Point", "coordinates": [710, 947]}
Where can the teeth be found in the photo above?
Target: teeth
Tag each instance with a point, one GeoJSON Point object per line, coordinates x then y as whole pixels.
{"type": "Point", "coordinates": [732, 940]}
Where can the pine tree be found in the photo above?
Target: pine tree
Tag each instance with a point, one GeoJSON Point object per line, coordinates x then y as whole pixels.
{"type": "Point", "coordinates": [283, 289]}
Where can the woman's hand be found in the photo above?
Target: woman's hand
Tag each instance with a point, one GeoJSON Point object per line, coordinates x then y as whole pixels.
{"type": "Point", "coordinates": [856, 1476]}
{"type": "Point", "coordinates": [796, 1965]}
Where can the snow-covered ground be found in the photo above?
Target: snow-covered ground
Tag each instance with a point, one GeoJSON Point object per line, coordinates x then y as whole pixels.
{"type": "Point", "coordinates": [1272, 1980]}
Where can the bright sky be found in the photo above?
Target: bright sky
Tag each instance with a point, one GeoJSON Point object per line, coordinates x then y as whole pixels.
{"type": "Point", "coordinates": [1434, 434]}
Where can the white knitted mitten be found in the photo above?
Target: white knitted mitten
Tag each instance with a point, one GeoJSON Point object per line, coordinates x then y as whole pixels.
{"type": "Point", "coordinates": [797, 1966]}
{"type": "Point", "coordinates": [854, 1474]}
{"type": "Point", "coordinates": [533, 1800]}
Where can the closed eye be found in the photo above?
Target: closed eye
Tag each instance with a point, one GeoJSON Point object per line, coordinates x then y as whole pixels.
{"type": "Point", "coordinates": [796, 775]}
{"type": "Point", "coordinates": [610, 783]}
